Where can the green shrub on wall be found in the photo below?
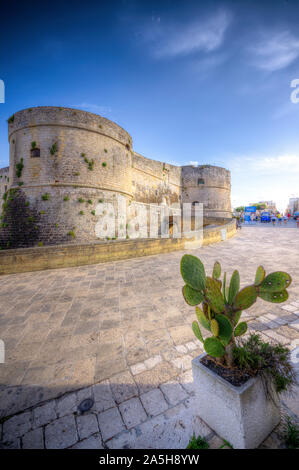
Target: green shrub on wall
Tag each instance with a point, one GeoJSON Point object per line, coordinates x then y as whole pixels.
{"type": "Point", "coordinates": [19, 168]}
{"type": "Point", "coordinates": [71, 233]}
{"type": "Point", "coordinates": [54, 148]}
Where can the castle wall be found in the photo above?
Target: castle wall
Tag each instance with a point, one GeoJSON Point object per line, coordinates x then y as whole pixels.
{"type": "Point", "coordinates": [64, 163]}
{"type": "Point", "coordinates": [91, 161]}
{"type": "Point", "coordinates": [80, 138]}
{"type": "Point", "coordinates": [4, 181]}
{"type": "Point", "coordinates": [209, 185]}
{"type": "Point", "coordinates": [155, 182]}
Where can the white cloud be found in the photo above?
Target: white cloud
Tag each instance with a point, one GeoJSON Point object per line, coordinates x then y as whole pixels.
{"type": "Point", "coordinates": [286, 164]}
{"type": "Point", "coordinates": [201, 35]}
{"type": "Point", "coordinates": [282, 164]}
{"type": "Point", "coordinates": [193, 163]}
{"type": "Point", "coordinates": [264, 177]}
{"type": "Point", "coordinates": [275, 51]}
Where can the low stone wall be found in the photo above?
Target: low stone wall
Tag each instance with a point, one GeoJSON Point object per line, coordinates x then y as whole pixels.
{"type": "Point", "coordinates": [63, 256]}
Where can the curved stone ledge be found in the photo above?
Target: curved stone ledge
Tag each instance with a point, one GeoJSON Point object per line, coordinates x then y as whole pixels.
{"type": "Point", "coordinates": [69, 255]}
{"type": "Point", "coordinates": [68, 117]}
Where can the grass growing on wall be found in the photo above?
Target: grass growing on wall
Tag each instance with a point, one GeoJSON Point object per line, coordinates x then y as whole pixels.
{"type": "Point", "coordinates": [19, 168]}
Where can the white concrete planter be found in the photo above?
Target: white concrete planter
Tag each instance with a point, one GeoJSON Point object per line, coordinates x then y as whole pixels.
{"type": "Point", "coordinates": [243, 415]}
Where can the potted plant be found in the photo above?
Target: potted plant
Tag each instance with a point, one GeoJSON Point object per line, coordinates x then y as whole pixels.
{"type": "Point", "coordinates": [237, 382]}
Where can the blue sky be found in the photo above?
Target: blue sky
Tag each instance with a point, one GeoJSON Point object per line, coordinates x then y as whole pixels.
{"type": "Point", "coordinates": [205, 82]}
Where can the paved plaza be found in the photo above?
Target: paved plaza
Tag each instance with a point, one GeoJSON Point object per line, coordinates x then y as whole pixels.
{"type": "Point", "coordinates": [120, 332]}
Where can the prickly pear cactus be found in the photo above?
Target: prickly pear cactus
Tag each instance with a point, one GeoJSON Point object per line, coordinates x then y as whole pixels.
{"type": "Point", "coordinates": [234, 287]}
{"type": "Point", "coordinates": [275, 282]}
{"type": "Point", "coordinates": [245, 298]}
{"type": "Point", "coordinates": [213, 295]}
{"type": "Point", "coordinates": [241, 329]}
{"type": "Point", "coordinates": [214, 347]}
{"type": "Point", "coordinates": [260, 275]}
{"type": "Point", "coordinates": [222, 306]}
{"type": "Point", "coordinates": [192, 297]}
{"type": "Point", "coordinates": [214, 327]}
{"type": "Point", "coordinates": [216, 270]}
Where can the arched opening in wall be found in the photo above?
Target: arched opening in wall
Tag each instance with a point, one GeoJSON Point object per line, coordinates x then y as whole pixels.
{"type": "Point", "coordinates": [35, 152]}
{"type": "Point", "coordinates": [200, 181]}
{"type": "Point", "coordinates": [195, 202]}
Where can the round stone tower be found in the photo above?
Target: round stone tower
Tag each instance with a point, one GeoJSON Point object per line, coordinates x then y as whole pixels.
{"type": "Point", "coordinates": [209, 185]}
{"type": "Point", "coordinates": [63, 162]}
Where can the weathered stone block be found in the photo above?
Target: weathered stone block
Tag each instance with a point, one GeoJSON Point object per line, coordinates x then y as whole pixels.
{"type": "Point", "coordinates": [87, 425]}
{"type": "Point", "coordinates": [132, 412]}
{"type": "Point", "coordinates": [33, 439]}
{"type": "Point", "coordinates": [61, 434]}
{"type": "Point", "coordinates": [17, 426]}
{"type": "Point", "coordinates": [110, 423]}
{"type": "Point", "coordinates": [44, 414]}
{"type": "Point", "coordinates": [154, 402]}
{"type": "Point", "coordinates": [243, 415]}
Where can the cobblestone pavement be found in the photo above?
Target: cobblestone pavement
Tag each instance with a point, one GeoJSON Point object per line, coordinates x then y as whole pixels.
{"type": "Point", "coordinates": [121, 333]}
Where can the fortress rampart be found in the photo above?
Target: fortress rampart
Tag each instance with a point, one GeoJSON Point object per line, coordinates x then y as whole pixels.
{"type": "Point", "coordinates": [64, 162]}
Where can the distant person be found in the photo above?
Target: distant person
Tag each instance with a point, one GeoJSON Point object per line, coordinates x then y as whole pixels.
{"type": "Point", "coordinates": [273, 218]}
{"type": "Point", "coordinates": [285, 219]}
{"type": "Point", "coordinates": [297, 220]}
{"type": "Point", "coordinates": [279, 218]}
{"type": "Point", "coordinates": [289, 215]}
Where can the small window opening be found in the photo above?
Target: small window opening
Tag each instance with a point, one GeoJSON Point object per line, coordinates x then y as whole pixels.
{"type": "Point", "coordinates": [35, 152]}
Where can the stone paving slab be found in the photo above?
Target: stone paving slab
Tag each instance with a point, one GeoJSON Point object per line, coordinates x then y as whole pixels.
{"type": "Point", "coordinates": [121, 333]}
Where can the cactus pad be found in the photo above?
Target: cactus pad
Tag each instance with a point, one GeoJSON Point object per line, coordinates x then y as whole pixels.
{"type": "Point", "coordinates": [241, 329]}
{"type": "Point", "coordinates": [234, 287]}
{"type": "Point", "coordinates": [260, 275]}
{"type": "Point", "coordinates": [202, 319]}
{"type": "Point", "coordinates": [214, 327]}
{"type": "Point", "coordinates": [275, 297]}
{"type": "Point", "coordinates": [193, 272]}
{"type": "Point", "coordinates": [214, 347]}
{"type": "Point", "coordinates": [196, 331]}
{"type": "Point", "coordinates": [276, 282]}
{"type": "Point", "coordinates": [216, 270]}
{"type": "Point", "coordinates": [213, 295]}
{"type": "Point", "coordinates": [224, 287]}
{"type": "Point", "coordinates": [192, 297]}
{"type": "Point", "coordinates": [245, 298]}
{"type": "Point", "coordinates": [225, 329]}
{"type": "Point", "coordinates": [237, 317]}
{"type": "Point", "coordinates": [205, 309]}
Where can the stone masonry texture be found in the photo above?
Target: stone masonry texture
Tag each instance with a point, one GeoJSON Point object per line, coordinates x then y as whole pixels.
{"type": "Point", "coordinates": [120, 332]}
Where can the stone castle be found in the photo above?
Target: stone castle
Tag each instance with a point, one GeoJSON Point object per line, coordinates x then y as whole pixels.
{"type": "Point", "coordinates": [64, 162]}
